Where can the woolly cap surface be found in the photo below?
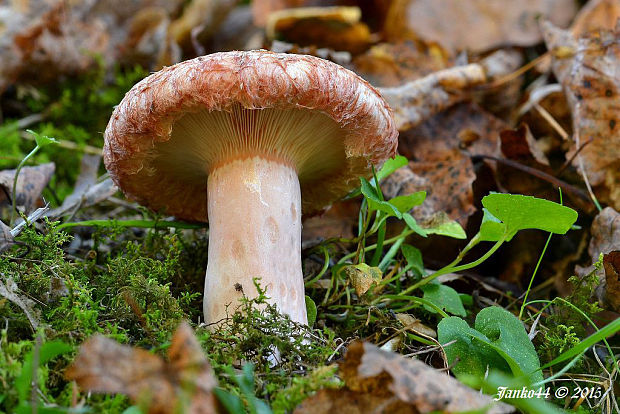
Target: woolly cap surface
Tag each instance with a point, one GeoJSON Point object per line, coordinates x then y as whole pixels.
{"type": "Point", "coordinates": [175, 126]}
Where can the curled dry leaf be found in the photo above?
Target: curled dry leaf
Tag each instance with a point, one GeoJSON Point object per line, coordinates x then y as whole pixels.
{"type": "Point", "coordinates": [199, 22]}
{"type": "Point", "coordinates": [185, 382]}
{"type": "Point", "coordinates": [415, 325]}
{"type": "Point", "coordinates": [605, 232]}
{"type": "Point", "coordinates": [611, 264]}
{"type": "Point", "coordinates": [384, 382]}
{"type": "Point", "coordinates": [337, 28]}
{"type": "Point", "coordinates": [475, 25]}
{"type": "Point", "coordinates": [518, 145]}
{"type": "Point", "coordinates": [30, 184]}
{"type": "Point", "coordinates": [392, 64]}
{"type": "Point", "coordinates": [596, 15]}
{"type": "Point", "coordinates": [416, 101]}
{"type": "Point", "coordinates": [589, 70]}
{"type": "Point", "coordinates": [43, 39]}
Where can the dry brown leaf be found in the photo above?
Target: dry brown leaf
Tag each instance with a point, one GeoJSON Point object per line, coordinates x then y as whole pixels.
{"type": "Point", "coordinates": [261, 9]}
{"type": "Point", "coordinates": [589, 70]}
{"type": "Point", "coordinates": [392, 64]}
{"type": "Point", "coordinates": [383, 382]}
{"type": "Point", "coordinates": [605, 238]}
{"type": "Point", "coordinates": [475, 25]}
{"type": "Point", "coordinates": [611, 263]}
{"type": "Point", "coordinates": [30, 184]}
{"type": "Point", "coordinates": [199, 22]}
{"type": "Point", "coordinates": [605, 233]}
{"type": "Point", "coordinates": [596, 15]}
{"type": "Point", "coordinates": [439, 150]}
{"type": "Point", "coordinates": [336, 28]}
{"type": "Point", "coordinates": [415, 325]}
{"type": "Point", "coordinates": [519, 144]}
{"type": "Point", "coordinates": [43, 39]}
{"type": "Point", "coordinates": [184, 382]}
{"type": "Point", "coordinates": [416, 101]}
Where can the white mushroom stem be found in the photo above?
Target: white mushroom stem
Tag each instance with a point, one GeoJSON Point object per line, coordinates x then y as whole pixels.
{"type": "Point", "coordinates": [254, 232]}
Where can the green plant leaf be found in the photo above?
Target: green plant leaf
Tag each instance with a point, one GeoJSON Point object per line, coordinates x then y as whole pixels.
{"type": "Point", "coordinates": [464, 355]}
{"type": "Point", "coordinates": [413, 256]}
{"type": "Point", "coordinates": [491, 228]}
{"type": "Point", "coordinates": [413, 225]}
{"type": "Point", "coordinates": [390, 166]}
{"type": "Point", "coordinates": [375, 200]}
{"type": "Point", "coordinates": [443, 297]}
{"type": "Point", "coordinates": [496, 329]}
{"type": "Point", "coordinates": [519, 212]}
{"type": "Point", "coordinates": [310, 310]}
{"type": "Point", "coordinates": [405, 203]}
{"type": "Point", "coordinates": [443, 225]}
{"type": "Point", "coordinates": [497, 379]}
{"type": "Point", "coordinates": [47, 351]}
{"type": "Point", "coordinates": [42, 140]}
{"type": "Point", "coordinates": [231, 402]}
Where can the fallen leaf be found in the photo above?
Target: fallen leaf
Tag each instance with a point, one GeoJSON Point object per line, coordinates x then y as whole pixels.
{"type": "Point", "coordinates": [184, 382]}
{"type": "Point", "coordinates": [238, 32]}
{"type": "Point", "coordinates": [605, 232]}
{"type": "Point", "coordinates": [439, 150]}
{"type": "Point", "coordinates": [30, 184]}
{"type": "Point", "coordinates": [476, 25]}
{"type": "Point", "coordinates": [261, 9]}
{"type": "Point", "coordinates": [44, 39]}
{"type": "Point", "coordinates": [415, 325]}
{"type": "Point", "coordinates": [611, 263]}
{"type": "Point", "coordinates": [416, 101]}
{"type": "Point", "coordinates": [148, 43]}
{"type": "Point", "coordinates": [10, 291]}
{"type": "Point", "coordinates": [392, 64]}
{"type": "Point", "coordinates": [519, 145]}
{"type": "Point", "coordinates": [605, 239]}
{"type": "Point", "coordinates": [363, 277]}
{"type": "Point", "coordinates": [336, 28]}
{"type": "Point", "coordinates": [384, 382]}
{"type": "Point", "coordinates": [588, 69]}
{"type": "Point", "coordinates": [596, 15]}
{"type": "Point", "coordinates": [199, 22]}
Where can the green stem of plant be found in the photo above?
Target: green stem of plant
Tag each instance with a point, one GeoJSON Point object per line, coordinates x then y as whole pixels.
{"type": "Point", "coordinates": [403, 235]}
{"type": "Point", "coordinates": [527, 292]}
{"type": "Point", "coordinates": [312, 281]}
{"type": "Point", "coordinates": [14, 190]}
{"type": "Point", "coordinates": [376, 257]}
{"type": "Point", "coordinates": [147, 224]}
{"type": "Point", "coordinates": [455, 269]}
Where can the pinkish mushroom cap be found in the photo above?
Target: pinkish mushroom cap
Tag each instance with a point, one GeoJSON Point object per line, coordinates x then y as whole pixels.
{"type": "Point", "coordinates": [328, 123]}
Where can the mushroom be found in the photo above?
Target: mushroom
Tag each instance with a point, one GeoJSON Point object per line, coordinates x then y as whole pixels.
{"type": "Point", "coordinates": [240, 138]}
